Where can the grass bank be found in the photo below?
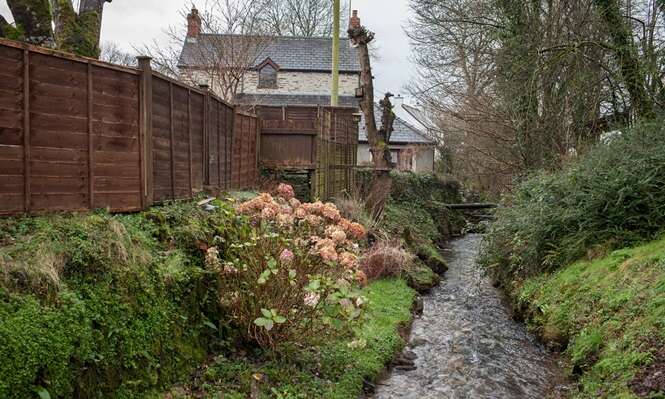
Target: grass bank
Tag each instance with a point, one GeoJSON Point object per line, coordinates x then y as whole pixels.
{"type": "Point", "coordinates": [100, 305]}
{"type": "Point", "coordinates": [579, 250]}
{"type": "Point", "coordinates": [608, 315]}
{"type": "Point", "coordinates": [336, 367]}
{"type": "Point", "coordinates": [124, 306]}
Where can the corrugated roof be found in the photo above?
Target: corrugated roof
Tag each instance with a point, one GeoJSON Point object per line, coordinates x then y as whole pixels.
{"type": "Point", "coordinates": [292, 99]}
{"type": "Point", "coordinates": [404, 133]}
{"type": "Point", "coordinates": [290, 53]}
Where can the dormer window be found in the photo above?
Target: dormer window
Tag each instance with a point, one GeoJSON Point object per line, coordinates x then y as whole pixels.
{"type": "Point", "coordinates": [268, 74]}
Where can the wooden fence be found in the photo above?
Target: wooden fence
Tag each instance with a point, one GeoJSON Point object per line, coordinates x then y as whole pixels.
{"type": "Point", "coordinates": [319, 141]}
{"type": "Point", "coordinates": [78, 134]}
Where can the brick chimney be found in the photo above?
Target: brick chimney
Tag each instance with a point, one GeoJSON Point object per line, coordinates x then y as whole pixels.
{"type": "Point", "coordinates": [354, 22]}
{"type": "Point", "coordinates": [193, 24]}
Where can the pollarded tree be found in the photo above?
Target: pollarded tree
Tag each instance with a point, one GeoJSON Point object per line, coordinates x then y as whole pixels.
{"type": "Point", "coordinates": [378, 138]}
{"type": "Point", "coordinates": [55, 24]}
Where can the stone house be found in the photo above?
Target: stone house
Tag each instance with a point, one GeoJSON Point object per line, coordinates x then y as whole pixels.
{"type": "Point", "coordinates": [282, 71]}
{"type": "Point", "coordinates": [270, 70]}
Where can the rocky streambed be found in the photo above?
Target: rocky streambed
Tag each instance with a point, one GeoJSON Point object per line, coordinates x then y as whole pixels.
{"type": "Point", "coordinates": [466, 344]}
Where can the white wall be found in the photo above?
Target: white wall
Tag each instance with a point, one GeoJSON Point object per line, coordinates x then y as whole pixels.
{"type": "Point", "coordinates": [423, 158]}
{"type": "Point", "coordinates": [301, 83]}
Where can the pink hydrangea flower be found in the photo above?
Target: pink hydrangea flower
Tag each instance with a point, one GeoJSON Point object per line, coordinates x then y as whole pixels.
{"type": "Point", "coordinates": [285, 191]}
{"type": "Point", "coordinates": [286, 256]}
{"type": "Point", "coordinates": [311, 299]}
{"type": "Point", "coordinates": [348, 260]}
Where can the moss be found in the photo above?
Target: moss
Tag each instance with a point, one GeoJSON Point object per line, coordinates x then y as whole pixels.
{"type": "Point", "coordinates": [128, 310]}
{"type": "Point", "coordinates": [421, 277]}
{"type": "Point", "coordinates": [431, 256]}
{"type": "Point", "coordinates": [334, 369]}
{"type": "Point", "coordinates": [608, 313]}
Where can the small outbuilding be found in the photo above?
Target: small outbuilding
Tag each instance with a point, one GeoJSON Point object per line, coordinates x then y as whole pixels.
{"type": "Point", "coordinates": [410, 148]}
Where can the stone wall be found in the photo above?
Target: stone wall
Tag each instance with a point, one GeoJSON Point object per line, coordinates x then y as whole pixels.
{"type": "Point", "coordinates": [302, 83]}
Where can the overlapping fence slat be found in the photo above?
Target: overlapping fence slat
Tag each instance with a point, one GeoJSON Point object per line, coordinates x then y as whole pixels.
{"type": "Point", "coordinates": [319, 141]}
{"type": "Point", "coordinates": [78, 134]}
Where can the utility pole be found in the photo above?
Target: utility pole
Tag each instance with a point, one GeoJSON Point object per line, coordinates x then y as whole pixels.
{"type": "Point", "coordinates": [334, 96]}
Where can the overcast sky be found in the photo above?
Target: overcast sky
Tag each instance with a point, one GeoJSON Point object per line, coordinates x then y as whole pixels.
{"type": "Point", "coordinates": [134, 22]}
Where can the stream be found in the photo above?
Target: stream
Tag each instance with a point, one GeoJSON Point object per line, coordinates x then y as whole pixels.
{"type": "Point", "coordinates": [467, 344]}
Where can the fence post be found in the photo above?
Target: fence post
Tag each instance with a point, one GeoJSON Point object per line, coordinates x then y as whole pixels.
{"type": "Point", "coordinates": [206, 131]}
{"type": "Point", "coordinates": [145, 131]}
{"type": "Point", "coordinates": [27, 205]}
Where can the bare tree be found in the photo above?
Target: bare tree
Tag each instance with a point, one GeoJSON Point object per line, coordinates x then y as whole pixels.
{"type": "Point", "coordinates": [111, 52]}
{"type": "Point", "coordinates": [227, 46]}
{"type": "Point", "coordinates": [55, 24]}
{"type": "Point", "coordinates": [306, 18]}
{"type": "Point", "coordinates": [521, 85]}
{"type": "Point", "coordinates": [378, 138]}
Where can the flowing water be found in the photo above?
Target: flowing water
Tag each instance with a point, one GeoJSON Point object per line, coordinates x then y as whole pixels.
{"type": "Point", "coordinates": [468, 345]}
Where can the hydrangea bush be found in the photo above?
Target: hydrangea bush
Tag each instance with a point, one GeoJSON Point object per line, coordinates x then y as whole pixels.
{"type": "Point", "coordinates": [296, 271]}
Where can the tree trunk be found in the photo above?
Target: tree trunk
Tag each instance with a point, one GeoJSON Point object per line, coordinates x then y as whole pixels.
{"type": "Point", "coordinates": [378, 139]}
{"type": "Point", "coordinates": [33, 20]}
{"type": "Point", "coordinates": [91, 12]}
{"type": "Point", "coordinates": [626, 52]}
{"type": "Point", "coordinates": [55, 24]}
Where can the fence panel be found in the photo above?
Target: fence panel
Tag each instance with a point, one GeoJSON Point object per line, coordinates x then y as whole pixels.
{"type": "Point", "coordinates": [116, 153]}
{"type": "Point", "coordinates": [78, 134]}
{"type": "Point", "coordinates": [69, 133]}
{"type": "Point", "coordinates": [12, 132]}
{"type": "Point", "coordinates": [244, 169]}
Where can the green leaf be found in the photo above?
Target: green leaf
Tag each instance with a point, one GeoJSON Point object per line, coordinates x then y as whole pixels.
{"type": "Point", "coordinates": [292, 274]}
{"type": "Point", "coordinates": [208, 323]}
{"type": "Point", "coordinates": [43, 393]}
{"type": "Point", "coordinates": [267, 313]}
{"type": "Point", "coordinates": [313, 285]}
{"type": "Point", "coordinates": [262, 322]}
{"type": "Point", "coordinates": [263, 278]}
{"type": "Point", "coordinates": [279, 319]}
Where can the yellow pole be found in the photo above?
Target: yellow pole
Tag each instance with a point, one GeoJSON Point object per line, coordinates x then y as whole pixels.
{"type": "Point", "coordinates": [334, 97]}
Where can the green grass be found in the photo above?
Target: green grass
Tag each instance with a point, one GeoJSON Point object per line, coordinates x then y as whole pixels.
{"type": "Point", "coordinates": [608, 314]}
{"type": "Point", "coordinates": [100, 305]}
{"type": "Point", "coordinates": [333, 369]}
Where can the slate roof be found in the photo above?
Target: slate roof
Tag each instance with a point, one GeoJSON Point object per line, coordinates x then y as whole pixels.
{"type": "Point", "coordinates": [292, 99]}
{"type": "Point", "coordinates": [289, 53]}
{"type": "Point", "coordinates": [404, 133]}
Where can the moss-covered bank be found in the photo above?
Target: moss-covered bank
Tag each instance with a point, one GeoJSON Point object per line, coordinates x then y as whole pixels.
{"type": "Point", "coordinates": [121, 306]}
{"type": "Point", "coordinates": [98, 305]}
{"type": "Point", "coordinates": [608, 315]}
{"type": "Point", "coordinates": [335, 368]}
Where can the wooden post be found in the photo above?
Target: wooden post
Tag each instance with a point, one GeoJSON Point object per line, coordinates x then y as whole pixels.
{"type": "Point", "coordinates": [145, 132]}
{"type": "Point", "coordinates": [91, 148]}
{"type": "Point", "coordinates": [334, 95]}
{"type": "Point", "coordinates": [189, 143]}
{"type": "Point", "coordinates": [206, 151]}
{"type": "Point", "coordinates": [171, 124]}
{"type": "Point", "coordinates": [219, 146]}
{"type": "Point", "coordinates": [26, 131]}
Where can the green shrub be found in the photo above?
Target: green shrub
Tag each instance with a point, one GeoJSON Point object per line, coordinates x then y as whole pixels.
{"type": "Point", "coordinates": [611, 197]}
{"type": "Point", "coordinates": [126, 307]}
{"type": "Point", "coordinates": [293, 273]}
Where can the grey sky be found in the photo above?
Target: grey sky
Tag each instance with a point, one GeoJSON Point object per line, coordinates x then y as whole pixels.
{"type": "Point", "coordinates": [134, 22]}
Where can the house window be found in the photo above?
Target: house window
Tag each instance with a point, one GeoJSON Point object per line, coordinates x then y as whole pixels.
{"type": "Point", "coordinates": [267, 77]}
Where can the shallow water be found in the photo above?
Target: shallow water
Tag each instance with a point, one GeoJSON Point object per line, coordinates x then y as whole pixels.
{"type": "Point", "coordinates": [468, 345]}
